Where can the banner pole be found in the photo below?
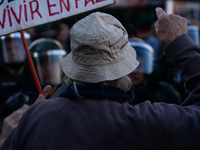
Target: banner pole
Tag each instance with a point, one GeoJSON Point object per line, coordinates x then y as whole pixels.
{"type": "Point", "coordinates": [31, 63]}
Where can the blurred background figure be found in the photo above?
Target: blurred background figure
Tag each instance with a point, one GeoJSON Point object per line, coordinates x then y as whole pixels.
{"type": "Point", "coordinates": [33, 33]}
{"type": "Point", "coordinates": [193, 31]}
{"type": "Point", "coordinates": [132, 32]}
{"type": "Point", "coordinates": [17, 86]}
{"type": "Point", "coordinates": [47, 54]}
{"type": "Point", "coordinates": [47, 30]}
{"type": "Point", "coordinates": [13, 50]}
{"type": "Point", "coordinates": [144, 88]}
{"type": "Point", "coordinates": [193, 18]}
{"type": "Point", "coordinates": [165, 70]}
{"type": "Point", "coordinates": [16, 77]}
{"type": "Point", "coordinates": [154, 42]}
{"type": "Point", "coordinates": [63, 36]}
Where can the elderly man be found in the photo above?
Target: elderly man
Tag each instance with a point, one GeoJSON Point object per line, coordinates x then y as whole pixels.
{"type": "Point", "coordinates": [93, 113]}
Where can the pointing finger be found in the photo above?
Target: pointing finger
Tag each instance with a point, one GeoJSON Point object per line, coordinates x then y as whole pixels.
{"type": "Point", "coordinates": [159, 11]}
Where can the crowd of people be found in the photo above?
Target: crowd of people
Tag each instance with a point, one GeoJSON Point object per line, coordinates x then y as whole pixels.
{"type": "Point", "coordinates": [17, 88]}
{"type": "Point", "coordinates": [109, 89]}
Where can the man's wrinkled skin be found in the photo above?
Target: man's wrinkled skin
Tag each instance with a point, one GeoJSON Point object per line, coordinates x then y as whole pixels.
{"type": "Point", "coordinates": [169, 26]}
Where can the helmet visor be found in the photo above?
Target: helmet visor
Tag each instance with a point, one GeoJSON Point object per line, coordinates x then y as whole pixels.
{"type": "Point", "coordinates": [48, 66]}
{"type": "Point", "coordinates": [12, 50]}
{"type": "Point", "coordinates": [145, 58]}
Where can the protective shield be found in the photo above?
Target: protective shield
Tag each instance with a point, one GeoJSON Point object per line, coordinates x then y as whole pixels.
{"type": "Point", "coordinates": [12, 48]}
{"type": "Point", "coordinates": [193, 32]}
{"type": "Point", "coordinates": [48, 66]}
{"type": "Point", "coordinates": [144, 55]}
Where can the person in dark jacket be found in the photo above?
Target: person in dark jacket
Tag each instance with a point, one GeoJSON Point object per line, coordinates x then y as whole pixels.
{"type": "Point", "coordinates": [16, 82]}
{"type": "Point", "coordinates": [144, 87]}
{"type": "Point", "coordinates": [93, 113]}
{"type": "Point", "coordinates": [165, 70]}
{"type": "Point", "coordinates": [46, 54]}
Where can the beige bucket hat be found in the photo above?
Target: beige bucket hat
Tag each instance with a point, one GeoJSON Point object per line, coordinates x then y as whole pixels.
{"type": "Point", "coordinates": [99, 50]}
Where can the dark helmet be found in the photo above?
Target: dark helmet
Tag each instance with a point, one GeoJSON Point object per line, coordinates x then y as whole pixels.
{"type": "Point", "coordinates": [47, 54]}
{"type": "Point", "coordinates": [144, 55]}
{"type": "Point", "coordinates": [12, 49]}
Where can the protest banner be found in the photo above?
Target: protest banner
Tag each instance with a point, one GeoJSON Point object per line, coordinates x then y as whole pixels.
{"type": "Point", "coordinates": [17, 15]}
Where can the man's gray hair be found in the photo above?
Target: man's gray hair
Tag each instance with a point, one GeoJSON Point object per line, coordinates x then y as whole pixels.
{"type": "Point", "coordinates": [126, 83]}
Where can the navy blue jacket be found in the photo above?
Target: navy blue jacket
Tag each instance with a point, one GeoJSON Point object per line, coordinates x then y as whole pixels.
{"type": "Point", "coordinates": [102, 123]}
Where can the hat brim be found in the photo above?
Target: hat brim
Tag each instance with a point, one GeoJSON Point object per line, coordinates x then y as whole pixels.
{"type": "Point", "coordinates": [95, 74]}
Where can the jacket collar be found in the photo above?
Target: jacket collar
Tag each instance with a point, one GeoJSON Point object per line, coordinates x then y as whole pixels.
{"type": "Point", "coordinates": [97, 91]}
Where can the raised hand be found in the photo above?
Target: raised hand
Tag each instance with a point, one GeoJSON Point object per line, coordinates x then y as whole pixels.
{"type": "Point", "coordinates": [169, 26]}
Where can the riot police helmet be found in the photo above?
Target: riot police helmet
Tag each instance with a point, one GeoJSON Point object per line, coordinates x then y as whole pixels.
{"type": "Point", "coordinates": [144, 55]}
{"type": "Point", "coordinates": [47, 54]}
{"type": "Point", "coordinates": [12, 49]}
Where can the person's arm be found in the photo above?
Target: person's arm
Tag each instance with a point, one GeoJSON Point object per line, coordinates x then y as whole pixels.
{"type": "Point", "coordinates": [172, 32]}
{"type": "Point", "coordinates": [181, 123]}
{"type": "Point", "coordinates": [10, 122]}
